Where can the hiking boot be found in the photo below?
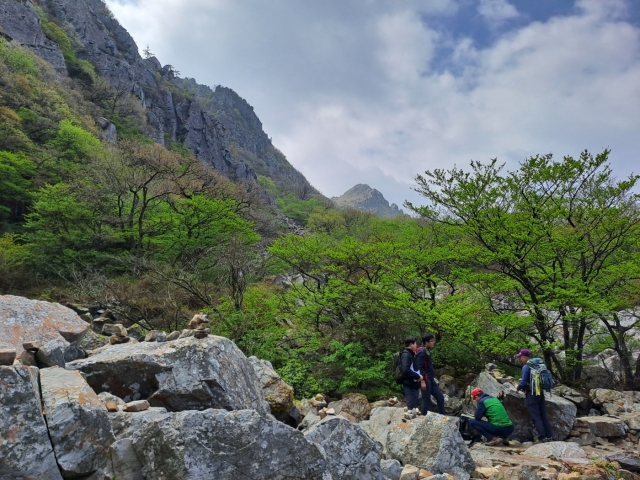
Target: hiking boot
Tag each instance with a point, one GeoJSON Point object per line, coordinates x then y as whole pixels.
{"type": "Point", "coordinates": [547, 440]}
{"type": "Point", "coordinates": [494, 442]}
{"type": "Point", "coordinates": [505, 442]}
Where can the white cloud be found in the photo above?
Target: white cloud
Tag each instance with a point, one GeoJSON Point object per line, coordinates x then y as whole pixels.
{"type": "Point", "coordinates": [349, 92]}
{"type": "Point", "coordinates": [497, 11]}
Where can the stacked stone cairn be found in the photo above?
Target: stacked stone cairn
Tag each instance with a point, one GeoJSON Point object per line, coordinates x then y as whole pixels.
{"type": "Point", "coordinates": [118, 334]}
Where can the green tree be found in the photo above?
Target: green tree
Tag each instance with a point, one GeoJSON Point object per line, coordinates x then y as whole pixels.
{"type": "Point", "coordinates": [552, 230]}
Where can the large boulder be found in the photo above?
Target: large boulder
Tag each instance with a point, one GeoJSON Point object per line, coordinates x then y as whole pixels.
{"type": "Point", "coordinates": [25, 449]}
{"type": "Point", "coordinates": [78, 422]}
{"type": "Point", "coordinates": [58, 329]}
{"type": "Point", "coordinates": [277, 393]}
{"type": "Point", "coordinates": [602, 426]}
{"type": "Point", "coordinates": [350, 453]}
{"type": "Point", "coordinates": [125, 424]}
{"type": "Point", "coordinates": [354, 404]}
{"type": "Point", "coordinates": [556, 450]}
{"type": "Point", "coordinates": [561, 412]}
{"type": "Point", "coordinates": [432, 442]}
{"type": "Point", "coordinates": [581, 400]}
{"type": "Point", "coordinates": [186, 374]}
{"type": "Point", "coordinates": [614, 402]}
{"type": "Point", "coordinates": [226, 446]}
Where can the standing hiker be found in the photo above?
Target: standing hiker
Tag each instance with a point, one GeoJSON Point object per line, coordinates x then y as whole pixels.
{"type": "Point", "coordinates": [425, 363]}
{"type": "Point", "coordinates": [410, 377]}
{"type": "Point", "coordinates": [499, 424]}
{"type": "Point", "coordinates": [533, 388]}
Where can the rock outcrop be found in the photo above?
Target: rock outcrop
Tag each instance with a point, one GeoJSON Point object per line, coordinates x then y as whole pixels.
{"type": "Point", "coordinates": [186, 374]}
{"type": "Point", "coordinates": [58, 329]}
{"type": "Point", "coordinates": [350, 453]}
{"type": "Point", "coordinates": [25, 449]}
{"type": "Point", "coordinates": [77, 420]}
{"type": "Point", "coordinates": [226, 446]}
{"type": "Point", "coordinates": [277, 393]}
{"type": "Point", "coordinates": [432, 442]}
{"type": "Point", "coordinates": [363, 197]}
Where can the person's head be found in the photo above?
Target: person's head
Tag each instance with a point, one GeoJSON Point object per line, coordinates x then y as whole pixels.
{"type": "Point", "coordinates": [476, 393]}
{"type": "Point", "coordinates": [428, 340]}
{"type": "Point", "coordinates": [524, 355]}
{"type": "Point", "coordinates": [410, 343]}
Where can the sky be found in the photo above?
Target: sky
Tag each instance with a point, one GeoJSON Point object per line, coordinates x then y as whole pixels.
{"type": "Point", "coordinates": [378, 91]}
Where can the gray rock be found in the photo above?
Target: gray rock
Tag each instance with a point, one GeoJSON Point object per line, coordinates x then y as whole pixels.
{"type": "Point", "coordinates": [136, 406]}
{"type": "Point", "coordinates": [602, 426]}
{"type": "Point", "coordinates": [556, 450]}
{"type": "Point", "coordinates": [58, 328]}
{"type": "Point", "coordinates": [278, 394]}
{"type": "Point", "coordinates": [581, 401]}
{"type": "Point", "coordinates": [226, 446]}
{"type": "Point", "coordinates": [108, 397]}
{"type": "Point", "coordinates": [187, 374]}
{"type": "Point", "coordinates": [309, 420]}
{"type": "Point", "coordinates": [173, 336]}
{"type": "Point", "coordinates": [114, 329]}
{"type": "Point", "coordinates": [109, 129]}
{"type": "Point", "coordinates": [350, 453]}
{"type": "Point", "coordinates": [7, 355]}
{"type": "Point", "coordinates": [432, 442]}
{"type": "Point", "coordinates": [561, 412]}
{"type": "Point", "coordinates": [354, 404]}
{"type": "Point", "coordinates": [632, 420]}
{"type": "Point", "coordinates": [410, 472]}
{"type": "Point", "coordinates": [125, 424]}
{"type": "Point", "coordinates": [123, 462]}
{"type": "Point", "coordinates": [25, 449]}
{"type": "Point", "coordinates": [78, 422]}
{"type": "Point", "coordinates": [614, 402]}
{"type": "Point", "coordinates": [627, 460]}
{"type": "Point", "coordinates": [155, 336]}
{"type": "Point", "coordinates": [391, 468]}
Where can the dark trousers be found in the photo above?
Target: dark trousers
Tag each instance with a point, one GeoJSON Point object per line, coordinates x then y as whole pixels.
{"type": "Point", "coordinates": [489, 430]}
{"type": "Point", "coordinates": [411, 396]}
{"type": "Point", "coordinates": [432, 390]}
{"type": "Point", "coordinates": [537, 407]}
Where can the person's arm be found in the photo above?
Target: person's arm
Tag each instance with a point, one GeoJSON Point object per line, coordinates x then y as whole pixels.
{"type": "Point", "coordinates": [406, 360]}
{"type": "Point", "coordinates": [524, 381]}
{"type": "Point", "coordinates": [420, 356]}
{"type": "Point", "coordinates": [480, 410]}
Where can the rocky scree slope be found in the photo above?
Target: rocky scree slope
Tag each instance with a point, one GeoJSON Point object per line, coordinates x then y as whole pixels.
{"type": "Point", "coordinates": [219, 127]}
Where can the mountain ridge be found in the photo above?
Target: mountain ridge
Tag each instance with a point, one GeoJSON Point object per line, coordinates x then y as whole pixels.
{"type": "Point", "coordinates": [363, 197]}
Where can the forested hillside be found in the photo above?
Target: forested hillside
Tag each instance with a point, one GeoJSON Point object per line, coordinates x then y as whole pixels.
{"type": "Point", "coordinates": [182, 212]}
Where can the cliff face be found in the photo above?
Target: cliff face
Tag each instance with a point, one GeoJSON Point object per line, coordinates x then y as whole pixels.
{"type": "Point", "coordinates": [219, 127]}
{"type": "Point", "coordinates": [363, 197]}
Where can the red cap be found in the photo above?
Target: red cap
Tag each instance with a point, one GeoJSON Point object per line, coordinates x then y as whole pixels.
{"type": "Point", "coordinates": [476, 392]}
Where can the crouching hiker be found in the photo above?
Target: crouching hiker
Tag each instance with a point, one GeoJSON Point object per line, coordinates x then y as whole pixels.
{"type": "Point", "coordinates": [499, 424]}
{"type": "Point", "coordinates": [411, 379]}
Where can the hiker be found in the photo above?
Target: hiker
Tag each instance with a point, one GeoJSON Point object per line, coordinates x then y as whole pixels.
{"type": "Point", "coordinates": [425, 362]}
{"type": "Point", "coordinates": [534, 395]}
{"type": "Point", "coordinates": [411, 377]}
{"type": "Point", "coordinates": [499, 425]}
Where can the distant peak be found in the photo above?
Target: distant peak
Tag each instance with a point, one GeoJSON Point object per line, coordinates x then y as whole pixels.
{"type": "Point", "coordinates": [363, 197]}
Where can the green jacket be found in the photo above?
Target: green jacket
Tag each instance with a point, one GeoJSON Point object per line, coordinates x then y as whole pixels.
{"type": "Point", "coordinates": [493, 409]}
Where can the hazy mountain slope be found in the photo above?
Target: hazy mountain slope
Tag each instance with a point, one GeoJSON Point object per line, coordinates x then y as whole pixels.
{"type": "Point", "coordinates": [363, 197]}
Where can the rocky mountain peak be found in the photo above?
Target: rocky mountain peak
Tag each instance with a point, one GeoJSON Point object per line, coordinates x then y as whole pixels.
{"type": "Point", "coordinates": [363, 197]}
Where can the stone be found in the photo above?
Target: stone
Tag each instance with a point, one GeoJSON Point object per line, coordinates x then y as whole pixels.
{"type": "Point", "coordinates": [582, 401]}
{"type": "Point", "coordinates": [28, 358]}
{"type": "Point", "coordinates": [93, 340]}
{"type": "Point", "coordinates": [25, 449]}
{"type": "Point", "coordinates": [516, 473]}
{"type": "Point", "coordinates": [32, 345]}
{"type": "Point", "coordinates": [114, 329]}
{"type": "Point", "coordinates": [627, 460]}
{"type": "Point", "coordinates": [561, 412]}
{"type": "Point", "coordinates": [117, 340]}
{"type": "Point", "coordinates": [392, 469]}
{"type": "Point", "coordinates": [602, 426]}
{"type": "Point", "coordinates": [135, 332]}
{"type": "Point", "coordinates": [432, 442]}
{"type": "Point", "coordinates": [632, 420]}
{"type": "Point", "coordinates": [136, 406]}
{"type": "Point", "coordinates": [226, 446]}
{"type": "Point", "coordinates": [111, 406]}
{"type": "Point", "coordinates": [484, 472]}
{"type": "Point", "coordinates": [186, 374]}
{"type": "Point", "coordinates": [125, 424]}
{"type": "Point", "coordinates": [186, 333]}
{"type": "Point", "coordinates": [447, 385]}
{"type": "Point", "coordinates": [556, 450]}
{"type": "Point", "coordinates": [155, 336]}
{"type": "Point", "coordinates": [276, 391]}
{"type": "Point", "coordinates": [200, 333]}
{"type": "Point", "coordinates": [409, 472]}
{"type": "Point", "coordinates": [78, 422]}
{"type": "Point", "coordinates": [173, 336]}
{"type": "Point", "coordinates": [614, 402]}
{"type": "Point", "coordinates": [349, 451]}
{"type": "Point", "coordinates": [97, 324]}
{"type": "Point", "coordinates": [7, 355]}
{"type": "Point", "coordinates": [123, 462]}
{"type": "Point", "coordinates": [310, 419]}
{"type": "Point", "coordinates": [353, 404]}
{"type": "Point", "coordinates": [58, 328]}
{"type": "Point", "coordinates": [108, 397]}
{"type": "Point", "coordinates": [109, 129]}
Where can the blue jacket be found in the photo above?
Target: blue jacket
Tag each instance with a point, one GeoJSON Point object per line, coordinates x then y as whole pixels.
{"type": "Point", "coordinates": [407, 361]}
{"type": "Point", "coordinates": [526, 376]}
{"type": "Point", "coordinates": [424, 361]}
